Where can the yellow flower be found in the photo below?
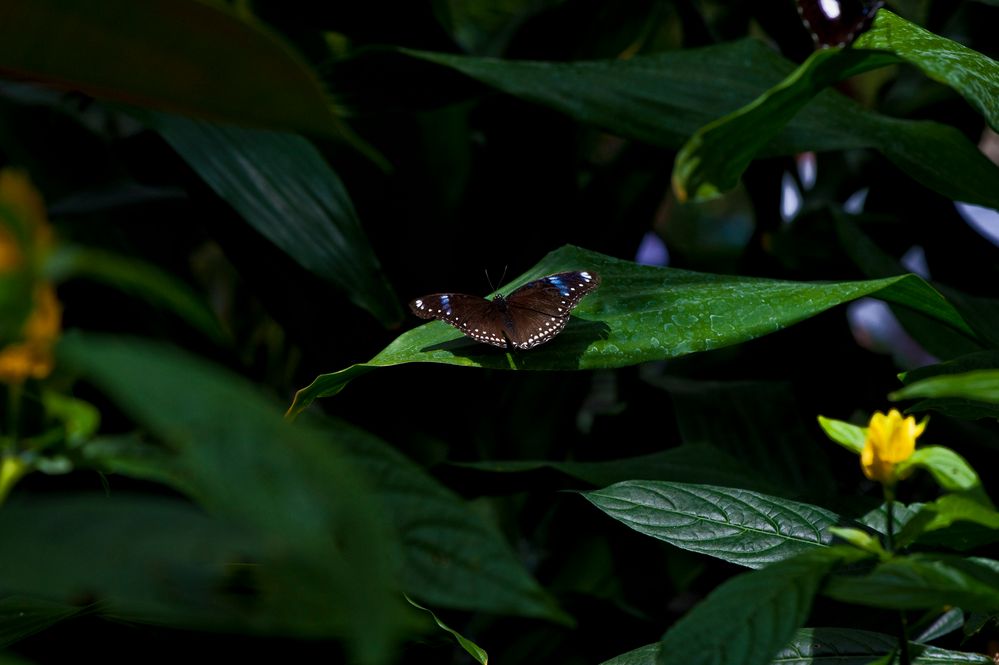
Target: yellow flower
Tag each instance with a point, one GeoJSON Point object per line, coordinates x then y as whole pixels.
{"type": "Point", "coordinates": [31, 313]}
{"type": "Point", "coordinates": [890, 439]}
{"type": "Point", "coordinates": [32, 357]}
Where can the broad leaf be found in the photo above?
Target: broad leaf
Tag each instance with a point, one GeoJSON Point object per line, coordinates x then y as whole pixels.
{"type": "Point", "coordinates": [22, 616]}
{"type": "Point", "coordinates": [329, 545]}
{"type": "Point", "coordinates": [980, 385]}
{"type": "Point", "coordinates": [665, 98]}
{"type": "Point", "coordinates": [951, 471]}
{"type": "Point", "coordinates": [193, 57]}
{"type": "Point", "coordinates": [749, 618]}
{"type": "Point", "coordinates": [689, 463]}
{"type": "Point", "coordinates": [849, 436]}
{"type": "Point", "coordinates": [922, 582]}
{"type": "Point", "coordinates": [973, 75]}
{"type": "Point", "coordinates": [944, 512]}
{"type": "Point", "coordinates": [643, 313]}
{"type": "Point", "coordinates": [282, 186]}
{"type": "Point", "coordinates": [738, 526]}
{"type": "Point", "coordinates": [140, 279]}
{"type": "Point", "coordinates": [717, 154]}
{"type": "Point", "coordinates": [835, 646]}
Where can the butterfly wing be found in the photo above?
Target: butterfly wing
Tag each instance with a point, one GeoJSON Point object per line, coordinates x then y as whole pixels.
{"type": "Point", "coordinates": [539, 310]}
{"type": "Point", "coordinates": [477, 317]}
{"type": "Point", "coordinates": [837, 22]}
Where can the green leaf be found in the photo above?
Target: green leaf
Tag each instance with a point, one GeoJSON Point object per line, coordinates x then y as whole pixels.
{"type": "Point", "coordinates": [949, 469]}
{"type": "Point", "coordinates": [22, 616]}
{"type": "Point", "coordinates": [849, 436]}
{"type": "Point", "coordinates": [139, 279]}
{"type": "Point", "coordinates": [170, 564]}
{"type": "Point", "coordinates": [922, 581]}
{"type": "Point", "coordinates": [282, 186]}
{"type": "Point", "coordinates": [470, 647]}
{"type": "Point", "coordinates": [642, 313]}
{"type": "Point", "coordinates": [973, 75]}
{"type": "Point", "coordinates": [690, 463]}
{"type": "Point", "coordinates": [452, 557]}
{"type": "Point", "coordinates": [956, 407]}
{"type": "Point", "coordinates": [979, 385]}
{"type": "Point", "coordinates": [738, 526]}
{"type": "Point", "coordinates": [839, 646]}
{"type": "Point", "coordinates": [714, 158]}
{"type": "Point", "coordinates": [328, 542]}
{"type": "Point", "coordinates": [191, 57]}
{"type": "Point", "coordinates": [944, 512]}
{"type": "Point", "coordinates": [761, 429]}
{"type": "Point", "coordinates": [665, 98]}
{"type": "Point", "coordinates": [80, 419]}
{"type": "Point", "coordinates": [860, 539]}
{"type": "Point", "coordinates": [747, 619]}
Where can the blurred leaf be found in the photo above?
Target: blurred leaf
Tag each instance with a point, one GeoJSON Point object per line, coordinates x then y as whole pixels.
{"type": "Point", "coordinates": [452, 557]}
{"type": "Point", "coordinates": [749, 618]}
{"type": "Point", "coordinates": [980, 385]}
{"type": "Point", "coordinates": [861, 540]}
{"type": "Point", "coordinates": [849, 436]}
{"type": "Point", "coordinates": [956, 407]}
{"type": "Point", "coordinates": [470, 647]}
{"type": "Point", "coordinates": [949, 469]}
{"type": "Point", "coordinates": [714, 158]}
{"type": "Point", "coordinates": [945, 511]}
{"type": "Point", "coordinates": [148, 559]}
{"type": "Point", "coordinates": [642, 313]}
{"type": "Point", "coordinates": [960, 365]}
{"type": "Point", "coordinates": [973, 75]}
{"type": "Point", "coordinates": [843, 646]}
{"type": "Point", "coordinates": [689, 463]}
{"type": "Point", "coordinates": [922, 582]}
{"type": "Point", "coordinates": [80, 419]}
{"type": "Point", "coordinates": [22, 616]}
{"type": "Point", "coordinates": [282, 186]}
{"type": "Point", "coordinates": [137, 278]}
{"type": "Point", "coordinates": [484, 28]}
{"type": "Point", "coordinates": [191, 57]}
{"type": "Point", "coordinates": [663, 99]}
{"type": "Point", "coordinates": [738, 526]}
{"type": "Point", "coordinates": [329, 544]}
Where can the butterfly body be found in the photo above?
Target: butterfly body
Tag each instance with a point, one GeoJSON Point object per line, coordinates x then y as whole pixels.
{"type": "Point", "coordinates": [528, 316]}
{"type": "Point", "coordinates": [837, 22]}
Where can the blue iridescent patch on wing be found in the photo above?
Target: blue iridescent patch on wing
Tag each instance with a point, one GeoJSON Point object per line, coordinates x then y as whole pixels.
{"type": "Point", "coordinates": [558, 284]}
{"type": "Point", "coordinates": [446, 304]}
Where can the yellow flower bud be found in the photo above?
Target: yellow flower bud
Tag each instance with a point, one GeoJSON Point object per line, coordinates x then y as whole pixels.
{"type": "Point", "coordinates": [890, 439]}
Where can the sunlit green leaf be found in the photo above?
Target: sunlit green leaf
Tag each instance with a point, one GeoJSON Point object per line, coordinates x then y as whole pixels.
{"type": "Point", "coordinates": [849, 436]}
{"type": "Point", "coordinates": [470, 647]}
{"type": "Point", "coordinates": [973, 75]}
{"type": "Point", "coordinates": [642, 313]}
{"type": "Point", "coordinates": [945, 511]}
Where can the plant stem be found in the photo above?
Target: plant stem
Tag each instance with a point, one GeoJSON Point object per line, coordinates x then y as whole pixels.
{"type": "Point", "coordinates": [903, 629]}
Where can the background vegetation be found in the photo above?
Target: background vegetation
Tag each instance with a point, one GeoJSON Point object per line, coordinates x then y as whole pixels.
{"type": "Point", "coordinates": [245, 442]}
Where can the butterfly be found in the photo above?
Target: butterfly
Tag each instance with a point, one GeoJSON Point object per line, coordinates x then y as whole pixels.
{"type": "Point", "coordinates": [837, 22]}
{"type": "Point", "coordinates": [530, 315]}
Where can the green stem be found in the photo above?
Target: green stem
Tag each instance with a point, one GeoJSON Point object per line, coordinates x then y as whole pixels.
{"type": "Point", "coordinates": [903, 628]}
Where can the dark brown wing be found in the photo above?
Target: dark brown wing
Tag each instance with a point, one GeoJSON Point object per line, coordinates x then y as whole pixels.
{"type": "Point", "coordinates": [539, 310]}
{"type": "Point", "coordinates": [477, 317]}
